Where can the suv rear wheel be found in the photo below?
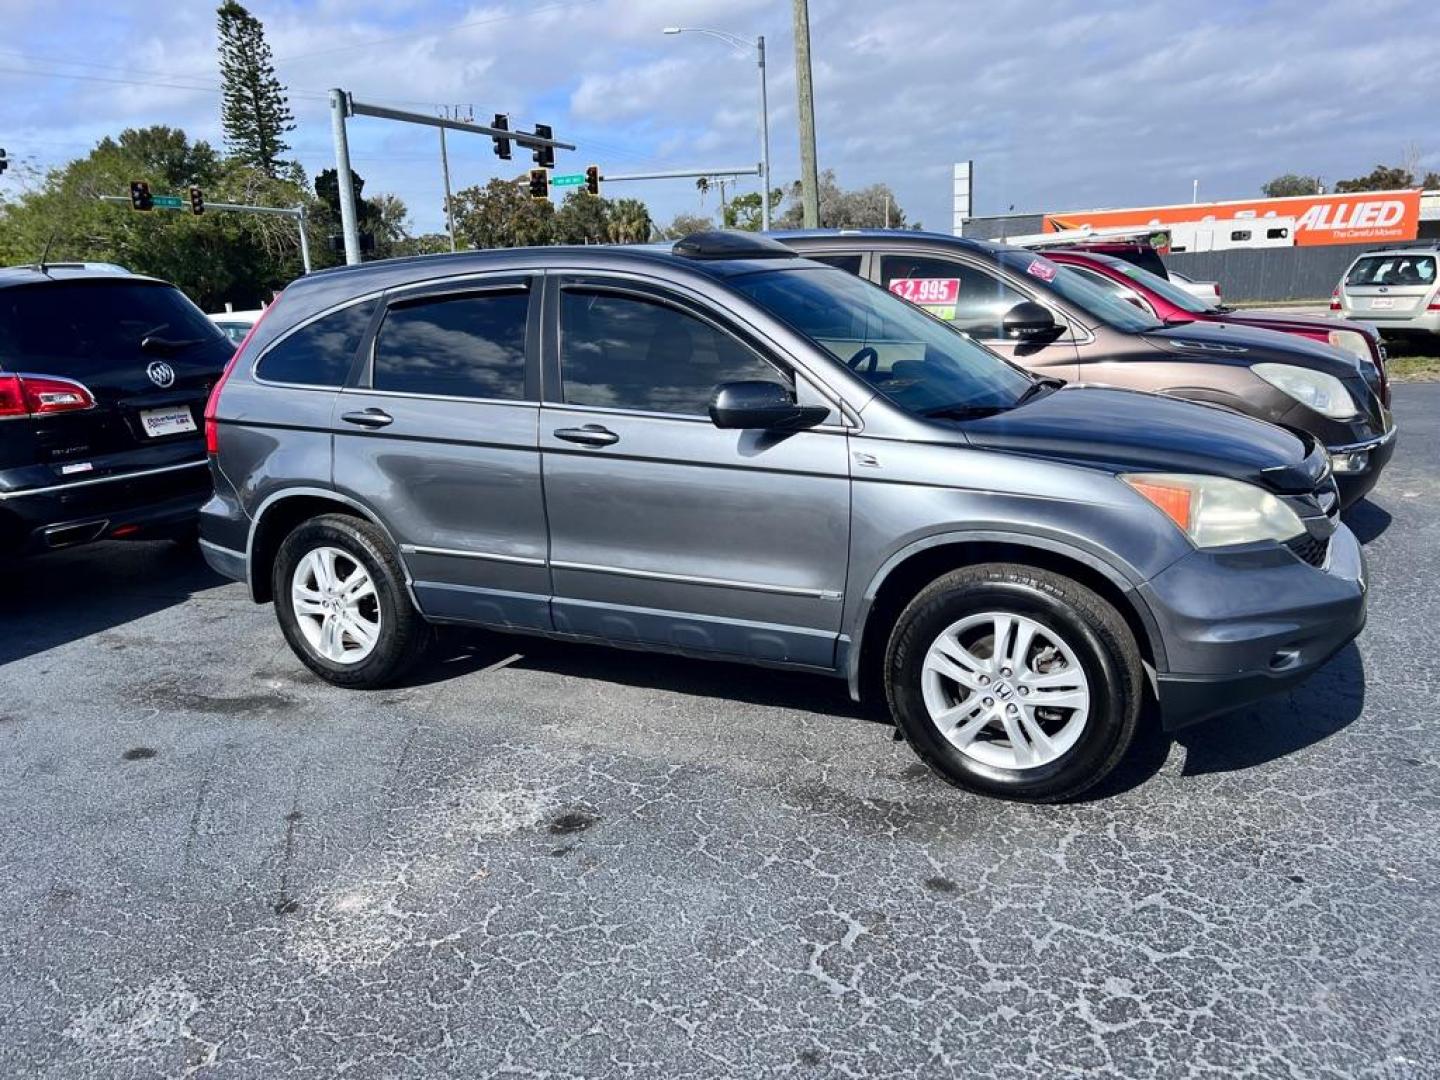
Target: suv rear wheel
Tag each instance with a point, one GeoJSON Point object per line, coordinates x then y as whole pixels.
{"type": "Point", "coordinates": [342, 604]}
{"type": "Point", "coordinates": [1013, 681]}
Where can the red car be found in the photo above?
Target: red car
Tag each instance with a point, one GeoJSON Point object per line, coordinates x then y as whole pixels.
{"type": "Point", "coordinates": [1172, 304]}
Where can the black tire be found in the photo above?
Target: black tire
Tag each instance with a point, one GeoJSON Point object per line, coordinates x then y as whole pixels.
{"type": "Point", "coordinates": [1093, 629]}
{"type": "Point", "coordinates": [404, 634]}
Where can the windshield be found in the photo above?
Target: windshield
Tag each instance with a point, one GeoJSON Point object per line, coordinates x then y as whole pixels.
{"type": "Point", "coordinates": [1155, 283]}
{"type": "Point", "coordinates": [920, 363]}
{"type": "Point", "coordinates": [1070, 286]}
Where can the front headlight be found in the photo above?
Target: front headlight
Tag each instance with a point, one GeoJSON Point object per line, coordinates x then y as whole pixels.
{"type": "Point", "coordinates": [1216, 512]}
{"type": "Point", "coordinates": [1323, 393]}
{"type": "Point", "coordinates": [1352, 342]}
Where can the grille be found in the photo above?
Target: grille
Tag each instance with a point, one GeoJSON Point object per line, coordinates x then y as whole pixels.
{"type": "Point", "coordinates": [1310, 549]}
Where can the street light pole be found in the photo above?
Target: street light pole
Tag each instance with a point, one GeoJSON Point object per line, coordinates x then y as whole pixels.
{"type": "Point", "coordinates": [736, 41]}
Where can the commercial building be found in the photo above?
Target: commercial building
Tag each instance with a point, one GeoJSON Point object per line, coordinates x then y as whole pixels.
{"type": "Point", "coordinates": [1259, 249]}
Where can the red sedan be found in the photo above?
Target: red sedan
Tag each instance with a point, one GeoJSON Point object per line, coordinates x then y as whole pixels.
{"type": "Point", "coordinates": [1172, 304]}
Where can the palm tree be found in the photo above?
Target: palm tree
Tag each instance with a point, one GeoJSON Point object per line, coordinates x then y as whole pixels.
{"type": "Point", "coordinates": [629, 222]}
{"type": "Point", "coordinates": [702, 185]}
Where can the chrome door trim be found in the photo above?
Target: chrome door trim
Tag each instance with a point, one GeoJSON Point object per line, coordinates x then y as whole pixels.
{"type": "Point", "coordinates": [687, 579]}
{"type": "Point", "coordinates": [458, 553]}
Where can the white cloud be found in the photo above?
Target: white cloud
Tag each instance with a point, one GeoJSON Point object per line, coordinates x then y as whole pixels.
{"type": "Point", "coordinates": [1119, 102]}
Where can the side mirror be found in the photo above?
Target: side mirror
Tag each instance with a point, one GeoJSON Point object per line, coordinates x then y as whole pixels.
{"type": "Point", "coordinates": [760, 404]}
{"type": "Point", "coordinates": [1028, 321]}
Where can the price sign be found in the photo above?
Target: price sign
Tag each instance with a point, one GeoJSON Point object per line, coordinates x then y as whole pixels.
{"type": "Point", "coordinates": [927, 291]}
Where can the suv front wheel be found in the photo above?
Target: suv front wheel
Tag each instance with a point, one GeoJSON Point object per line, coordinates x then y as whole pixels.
{"type": "Point", "coordinates": [342, 604]}
{"type": "Point", "coordinates": [1014, 681]}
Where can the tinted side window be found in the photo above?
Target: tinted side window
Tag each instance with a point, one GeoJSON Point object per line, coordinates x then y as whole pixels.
{"type": "Point", "coordinates": [628, 353]}
{"type": "Point", "coordinates": [975, 301]}
{"type": "Point", "coordinates": [319, 354]}
{"type": "Point", "coordinates": [460, 346]}
{"type": "Point", "coordinates": [849, 263]}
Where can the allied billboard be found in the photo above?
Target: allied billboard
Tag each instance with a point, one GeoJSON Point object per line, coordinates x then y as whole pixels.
{"type": "Point", "coordinates": [1358, 218]}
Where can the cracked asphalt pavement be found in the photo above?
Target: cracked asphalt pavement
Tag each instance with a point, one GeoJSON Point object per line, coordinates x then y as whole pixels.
{"type": "Point", "coordinates": [553, 861]}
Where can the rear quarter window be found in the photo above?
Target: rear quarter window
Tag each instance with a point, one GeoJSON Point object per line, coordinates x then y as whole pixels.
{"type": "Point", "coordinates": [320, 353]}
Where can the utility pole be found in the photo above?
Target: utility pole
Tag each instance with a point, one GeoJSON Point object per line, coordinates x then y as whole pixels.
{"type": "Point", "coordinates": [445, 168]}
{"type": "Point", "coordinates": [809, 177]}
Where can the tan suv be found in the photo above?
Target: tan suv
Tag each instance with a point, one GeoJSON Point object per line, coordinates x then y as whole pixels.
{"type": "Point", "coordinates": [1051, 320]}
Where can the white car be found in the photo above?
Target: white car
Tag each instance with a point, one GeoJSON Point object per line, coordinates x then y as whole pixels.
{"type": "Point", "coordinates": [1396, 290]}
{"type": "Point", "coordinates": [236, 324]}
{"type": "Point", "coordinates": [1208, 291]}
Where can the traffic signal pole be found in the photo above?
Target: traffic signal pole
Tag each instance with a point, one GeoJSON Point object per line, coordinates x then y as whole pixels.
{"type": "Point", "coordinates": [298, 213]}
{"type": "Point", "coordinates": [344, 106]}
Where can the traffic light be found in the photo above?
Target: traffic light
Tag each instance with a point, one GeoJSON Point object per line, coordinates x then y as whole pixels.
{"type": "Point", "coordinates": [140, 196]}
{"type": "Point", "coordinates": [544, 155]}
{"type": "Point", "coordinates": [502, 146]}
{"type": "Point", "coordinates": [592, 179]}
{"type": "Point", "coordinates": [539, 184]}
{"type": "Point", "coordinates": [197, 200]}
{"type": "Point", "coordinates": [4, 161]}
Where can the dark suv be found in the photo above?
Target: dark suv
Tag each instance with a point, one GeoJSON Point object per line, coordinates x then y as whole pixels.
{"type": "Point", "coordinates": [727, 451]}
{"type": "Point", "coordinates": [1051, 320]}
{"type": "Point", "coordinates": [103, 376]}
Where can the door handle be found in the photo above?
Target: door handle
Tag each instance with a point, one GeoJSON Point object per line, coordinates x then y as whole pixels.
{"type": "Point", "coordinates": [589, 435]}
{"type": "Point", "coordinates": [368, 418]}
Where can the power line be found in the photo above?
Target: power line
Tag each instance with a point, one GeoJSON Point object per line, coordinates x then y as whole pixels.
{"type": "Point", "coordinates": [427, 33]}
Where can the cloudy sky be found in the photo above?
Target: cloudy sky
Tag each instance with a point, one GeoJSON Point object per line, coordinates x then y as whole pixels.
{"type": "Point", "coordinates": [1060, 104]}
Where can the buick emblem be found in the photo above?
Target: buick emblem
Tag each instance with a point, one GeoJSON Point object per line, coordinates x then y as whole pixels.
{"type": "Point", "coordinates": [161, 374]}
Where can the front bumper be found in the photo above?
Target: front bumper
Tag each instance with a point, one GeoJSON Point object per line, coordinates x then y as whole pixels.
{"type": "Point", "coordinates": [1365, 461]}
{"type": "Point", "coordinates": [1229, 641]}
{"type": "Point", "coordinates": [138, 504]}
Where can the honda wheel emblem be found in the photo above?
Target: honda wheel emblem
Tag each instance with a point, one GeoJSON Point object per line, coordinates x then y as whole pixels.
{"type": "Point", "coordinates": [161, 374]}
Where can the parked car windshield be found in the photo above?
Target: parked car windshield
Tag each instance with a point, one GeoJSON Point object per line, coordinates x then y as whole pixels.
{"type": "Point", "coordinates": [1155, 283]}
{"type": "Point", "coordinates": [922, 364]}
{"type": "Point", "coordinates": [1393, 270]}
{"type": "Point", "coordinates": [1070, 286]}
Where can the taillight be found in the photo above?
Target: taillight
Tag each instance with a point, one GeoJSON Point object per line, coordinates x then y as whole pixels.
{"type": "Point", "coordinates": [1335, 299]}
{"type": "Point", "coordinates": [212, 426]}
{"type": "Point", "coordinates": [42, 395]}
{"type": "Point", "coordinates": [1434, 305]}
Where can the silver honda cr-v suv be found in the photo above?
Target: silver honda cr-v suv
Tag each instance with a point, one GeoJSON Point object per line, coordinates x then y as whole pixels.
{"type": "Point", "coordinates": [727, 451]}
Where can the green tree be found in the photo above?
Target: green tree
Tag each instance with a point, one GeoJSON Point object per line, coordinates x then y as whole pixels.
{"type": "Point", "coordinates": [684, 224]}
{"type": "Point", "coordinates": [1289, 185]}
{"type": "Point", "coordinates": [383, 217]}
{"type": "Point", "coordinates": [214, 258]}
{"type": "Point", "coordinates": [1381, 178]}
{"type": "Point", "coordinates": [744, 211]}
{"type": "Point", "coordinates": [583, 219]}
{"type": "Point", "coordinates": [254, 111]}
{"type": "Point", "coordinates": [502, 214]}
{"type": "Point", "coordinates": [863, 208]}
{"type": "Point", "coordinates": [629, 222]}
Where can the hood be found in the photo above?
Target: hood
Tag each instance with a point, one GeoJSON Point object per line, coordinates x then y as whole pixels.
{"type": "Point", "coordinates": [1129, 431]}
{"type": "Point", "coordinates": [1267, 320]}
{"type": "Point", "coordinates": [1242, 343]}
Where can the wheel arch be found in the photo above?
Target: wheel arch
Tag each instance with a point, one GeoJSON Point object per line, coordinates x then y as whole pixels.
{"type": "Point", "coordinates": [909, 570]}
{"type": "Point", "coordinates": [278, 515]}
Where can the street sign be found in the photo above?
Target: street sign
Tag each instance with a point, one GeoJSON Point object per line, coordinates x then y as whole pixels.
{"type": "Point", "coordinates": [568, 180]}
{"type": "Point", "coordinates": [167, 202]}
